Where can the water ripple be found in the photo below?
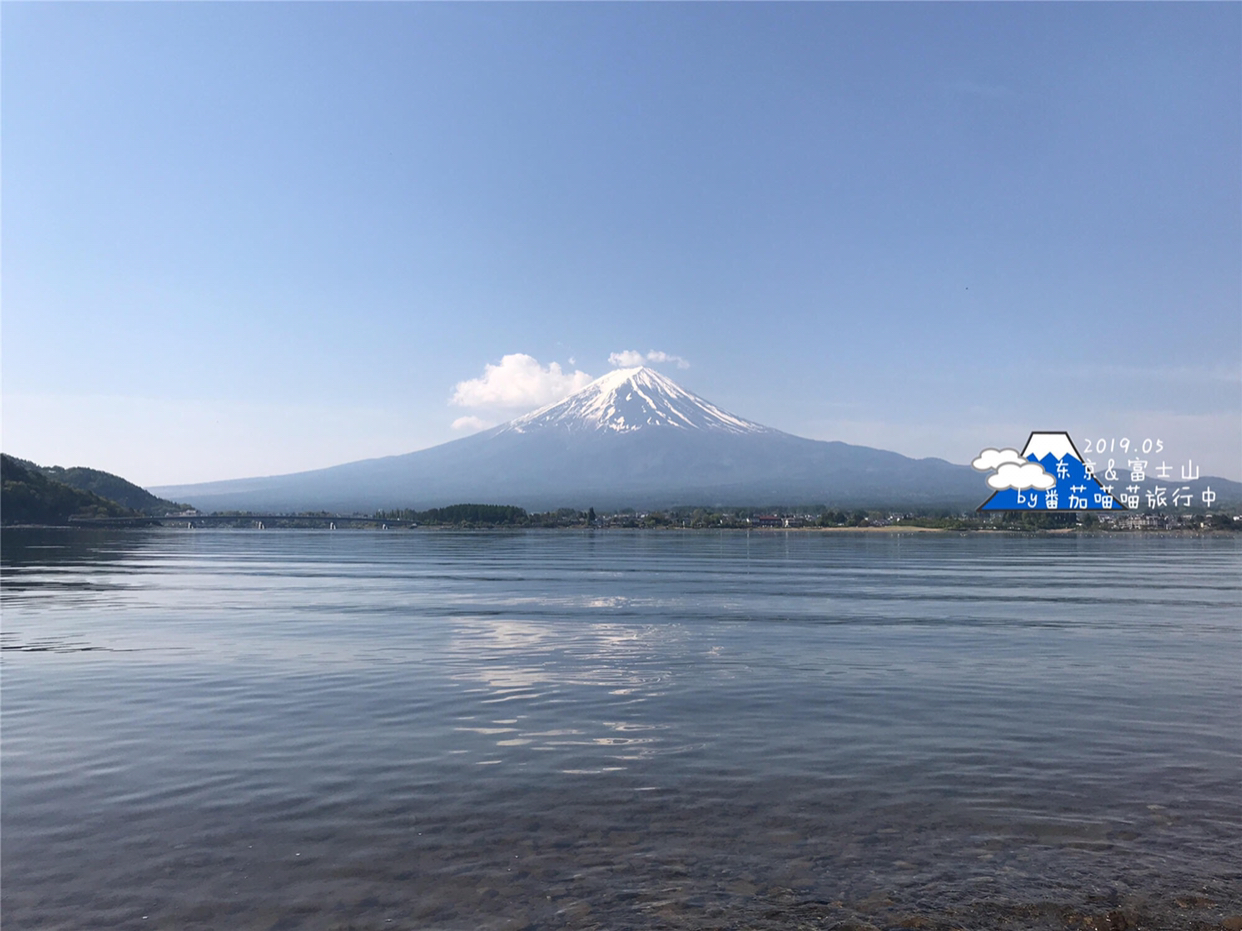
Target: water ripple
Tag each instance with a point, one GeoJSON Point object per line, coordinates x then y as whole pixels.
{"type": "Point", "coordinates": [315, 730]}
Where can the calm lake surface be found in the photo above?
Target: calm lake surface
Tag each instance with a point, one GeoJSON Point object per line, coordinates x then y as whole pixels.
{"type": "Point", "coordinates": [299, 729]}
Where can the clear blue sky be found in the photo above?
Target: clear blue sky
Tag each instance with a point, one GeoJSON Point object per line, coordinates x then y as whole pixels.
{"type": "Point", "coordinates": [244, 239]}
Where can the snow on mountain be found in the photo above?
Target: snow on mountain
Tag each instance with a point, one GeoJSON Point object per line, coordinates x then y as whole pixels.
{"type": "Point", "coordinates": [1058, 444]}
{"type": "Point", "coordinates": [633, 399]}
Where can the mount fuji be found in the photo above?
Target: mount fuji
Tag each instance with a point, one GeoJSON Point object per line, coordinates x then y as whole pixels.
{"type": "Point", "coordinates": [631, 438]}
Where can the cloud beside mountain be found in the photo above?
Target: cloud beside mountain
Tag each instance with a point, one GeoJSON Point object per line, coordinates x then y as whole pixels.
{"type": "Point", "coordinates": [518, 381]}
{"type": "Point", "coordinates": [628, 358]}
{"type": "Point", "coordinates": [471, 424]}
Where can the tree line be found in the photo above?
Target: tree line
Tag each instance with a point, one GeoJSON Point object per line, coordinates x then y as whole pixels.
{"type": "Point", "coordinates": [489, 514]}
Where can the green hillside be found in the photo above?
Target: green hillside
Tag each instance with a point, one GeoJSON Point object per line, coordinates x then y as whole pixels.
{"type": "Point", "coordinates": [109, 486]}
{"type": "Point", "coordinates": [27, 496]}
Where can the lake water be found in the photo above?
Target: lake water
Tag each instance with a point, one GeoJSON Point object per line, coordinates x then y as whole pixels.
{"type": "Point", "coordinates": [416, 730]}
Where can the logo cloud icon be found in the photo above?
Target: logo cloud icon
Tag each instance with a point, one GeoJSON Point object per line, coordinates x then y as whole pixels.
{"type": "Point", "coordinates": [991, 459]}
{"type": "Point", "coordinates": [1021, 476]}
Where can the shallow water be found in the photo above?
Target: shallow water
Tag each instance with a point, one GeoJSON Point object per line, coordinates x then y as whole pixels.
{"type": "Point", "coordinates": [287, 730]}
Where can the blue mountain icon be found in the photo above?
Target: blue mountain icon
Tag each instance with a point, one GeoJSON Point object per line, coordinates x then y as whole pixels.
{"type": "Point", "coordinates": [1076, 488]}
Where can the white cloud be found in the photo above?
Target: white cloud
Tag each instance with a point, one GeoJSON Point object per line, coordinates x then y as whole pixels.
{"type": "Point", "coordinates": [471, 424]}
{"type": "Point", "coordinates": [991, 459]}
{"type": "Point", "coordinates": [656, 356]}
{"type": "Point", "coordinates": [1026, 475]}
{"type": "Point", "coordinates": [631, 357]}
{"type": "Point", "coordinates": [626, 358]}
{"type": "Point", "coordinates": [518, 381]}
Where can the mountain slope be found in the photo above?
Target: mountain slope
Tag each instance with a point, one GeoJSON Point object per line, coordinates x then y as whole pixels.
{"type": "Point", "coordinates": [631, 438]}
{"type": "Point", "coordinates": [107, 485]}
{"type": "Point", "coordinates": [27, 496]}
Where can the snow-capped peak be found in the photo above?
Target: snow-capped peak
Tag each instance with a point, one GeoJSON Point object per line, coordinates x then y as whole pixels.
{"type": "Point", "coordinates": [1059, 445]}
{"type": "Point", "coordinates": [633, 399]}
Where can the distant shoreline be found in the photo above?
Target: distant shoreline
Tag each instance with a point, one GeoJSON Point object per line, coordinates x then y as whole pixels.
{"type": "Point", "coordinates": [1096, 530]}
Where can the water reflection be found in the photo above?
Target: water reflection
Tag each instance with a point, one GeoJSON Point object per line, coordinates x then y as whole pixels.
{"type": "Point", "coordinates": [602, 667]}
